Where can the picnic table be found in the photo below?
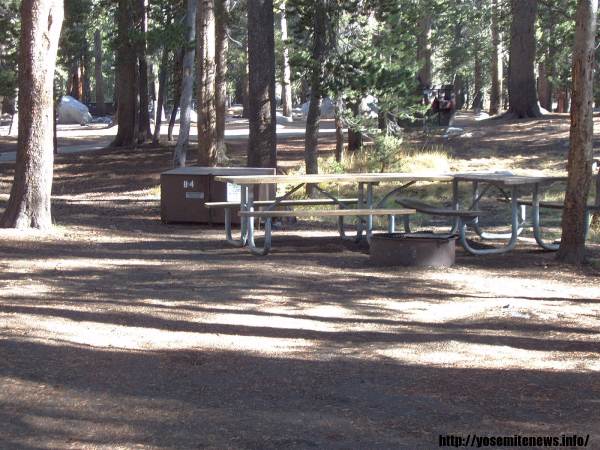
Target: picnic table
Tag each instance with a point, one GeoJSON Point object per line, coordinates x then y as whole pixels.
{"type": "Point", "coordinates": [366, 205]}
{"type": "Point", "coordinates": [463, 216]}
{"type": "Point", "coordinates": [512, 187]}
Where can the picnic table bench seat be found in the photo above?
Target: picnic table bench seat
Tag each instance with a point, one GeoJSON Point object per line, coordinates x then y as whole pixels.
{"type": "Point", "coordinates": [554, 205]}
{"type": "Point", "coordinates": [299, 202]}
{"type": "Point", "coordinates": [340, 213]}
{"type": "Point", "coordinates": [327, 213]}
{"type": "Point", "coordinates": [426, 208]}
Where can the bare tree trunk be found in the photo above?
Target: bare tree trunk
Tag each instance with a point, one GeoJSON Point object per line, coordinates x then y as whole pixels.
{"type": "Point", "coordinates": [85, 73]}
{"type": "Point", "coordinates": [222, 44]}
{"type": "Point", "coordinates": [522, 92]}
{"type": "Point", "coordinates": [262, 146]}
{"type": "Point", "coordinates": [543, 86]}
{"type": "Point", "coordinates": [187, 87]}
{"type": "Point", "coordinates": [207, 120]}
{"type": "Point", "coordinates": [478, 84]}
{"type": "Point", "coordinates": [160, 104]}
{"type": "Point", "coordinates": [75, 84]}
{"type": "Point", "coordinates": [246, 88]}
{"type": "Point", "coordinates": [98, 74]}
{"type": "Point", "coordinates": [339, 131]}
{"type": "Point", "coordinates": [178, 79]}
{"type": "Point", "coordinates": [311, 140]}
{"type": "Point", "coordinates": [144, 131]}
{"type": "Point", "coordinates": [579, 166]}
{"type": "Point", "coordinates": [286, 71]}
{"type": "Point", "coordinates": [424, 51]}
{"type": "Point", "coordinates": [127, 77]}
{"type": "Point", "coordinates": [496, 62]}
{"type": "Point", "coordinates": [29, 202]}
{"type": "Point", "coordinates": [355, 139]}
{"type": "Point", "coordinates": [595, 222]}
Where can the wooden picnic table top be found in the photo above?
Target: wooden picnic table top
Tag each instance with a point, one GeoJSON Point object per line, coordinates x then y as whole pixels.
{"type": "Point", "coordinates": [507, 179]}
{"type": "Point", "coordinates": [334, 178]}
{"type": "Point", "coordinates": [504, 178]}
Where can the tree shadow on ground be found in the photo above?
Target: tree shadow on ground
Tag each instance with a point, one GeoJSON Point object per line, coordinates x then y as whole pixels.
{"type": "Point", "coordinates": [55, 393]}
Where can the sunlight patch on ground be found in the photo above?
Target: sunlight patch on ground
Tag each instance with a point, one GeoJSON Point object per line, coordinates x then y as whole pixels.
{"type": "Point", "coordinates": [482, 356]}
{"type": "Point", "coordinates": [100, 335]}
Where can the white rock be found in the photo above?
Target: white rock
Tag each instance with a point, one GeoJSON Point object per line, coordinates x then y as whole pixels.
{"type": "Point", "coordinates": [71, 110]}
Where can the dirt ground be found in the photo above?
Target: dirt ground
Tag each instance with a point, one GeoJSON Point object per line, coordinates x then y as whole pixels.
{"type": "Point", "coordinates": [118, 331]}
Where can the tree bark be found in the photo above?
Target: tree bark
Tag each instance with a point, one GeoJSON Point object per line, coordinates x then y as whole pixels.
{"type": "Point", "coordinates": [207, 120]}
{"type": "Point", "coordinates": [29, 202]}
{"type": "Point", "coordinates": [144, 131]}
{"type": "Point", "coordinates": [98, 74]}
{"type": "Point", "coordinates": [543, 85]}
{"type": "Point", "coordinates": [311, 140]}
{"type": "Point", "coordinates": [178, 79]}
{"type": "Point", "coordinates": [245, 83]}
{"type": "Point", "coordinates": [579, 165]}
{"type": "Point", "coordinates": [355, 139]}
{"type": "Point", "coordinates": [319, 48]}
{"type": "Point", "coordinates": [262, 150]}
{"type": "Point", "coordinates": [187, 87]}
{"type": "Point", "coordinates": [286, 71]}
{"type": "Point", "coordinates": [85, 73]}
{"type": "Point", "coordinates": [523, 100]}
{"type": "Point", "coordinates": [496, 62]}
{"type": "Point", "coordinates": [160, 103]}
{"type": "Point", "coordinates": [339, 131]}
{"type": "Point", "coordinates": [424, 51]}
{"type": "Point", "coordinates": [478, 84]}
{"type": "Point", "coordinates": [222, 46]}
{"type": "Point", "coordinates": [127, 75]}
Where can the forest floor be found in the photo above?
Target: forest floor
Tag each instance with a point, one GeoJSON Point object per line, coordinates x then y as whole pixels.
{"type": "Point", "coordinates": [118, 331]}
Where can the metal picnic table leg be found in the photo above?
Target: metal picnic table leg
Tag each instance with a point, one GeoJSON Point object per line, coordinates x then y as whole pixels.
{"type": "Point", "coordinates": [537, 230]}
{"type": "Point", "coordinates": [477, 194]}
{"type": "Point", "coordinates": [515, 227]}
{"type": "Point", "coordinates": [361, 205]}
{"type": "Point", "coordinates": [369, 217]}
{"type": "Point", "coordinates": [455, 206]}
{"type": "Point", "coordinates": [241, 242]}
{"type": "Point", "coordinates": [250, 227]}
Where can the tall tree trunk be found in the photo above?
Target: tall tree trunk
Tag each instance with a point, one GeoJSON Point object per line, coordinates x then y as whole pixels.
{"type": "Point", "coordinates": [98, 74]}
{"type": "Point", "coordinates": [460, 91]}
{"type": "Point", "coordinates": [355, 139]}
{"type": "Point", "coordinates": [478, 84]}
{"type": "Point", "coordinates": [496, 62]}
{"type": "Point", "coordinates": [127, 77]}
{"type": "Point", "coordinates": [221, 19]}
{"type": "Point", "coordinates": [246, 86]}
{"type": "Point", "coordinates": [522, 92]}
{"type": "Point", "coordinates": [262, 150]}
{"type": "Point", "coordinates": [424, 51]}
{"type": "Point", "coordinates": [579, 166]}
{"type": "Point", "coordinates": [187, 87]}
{"type": "Point", "coordinates": [286, 71]}
{"type": "Point", "coordinates": [29, 202]}
{"type": "Point", "coordinates": [543, 85]}
{"type": "Point", "coordinates": [311, 140]}
{"type": "Point", "coordinates": [75, 85]}
{"type": "Point", "coordinates": [339, 130]}
{"type": "Point", "coordinates": [178, 78]}
{"type": "Point", "coordinates": [85, 73]}
{"type": "Point", "coordinates": [144, 131]}
{"type": "Point", "coordinates": [160, 103]}
{"type": "Point", "coordinates": [207, 120]}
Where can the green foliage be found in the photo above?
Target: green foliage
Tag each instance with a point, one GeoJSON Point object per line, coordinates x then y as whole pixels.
{"type": "Point", "coordinates": [9, 38]}
{"type": "Point", "coordinates": [385, 151]}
